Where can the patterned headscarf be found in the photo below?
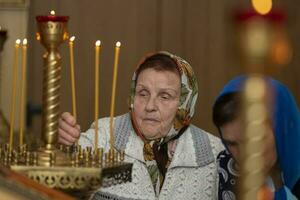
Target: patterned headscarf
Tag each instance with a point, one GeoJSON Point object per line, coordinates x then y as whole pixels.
{"type": "Point", "coordinates": [188, 95]}
{"type": "Point", "coordinates": [184, 114]}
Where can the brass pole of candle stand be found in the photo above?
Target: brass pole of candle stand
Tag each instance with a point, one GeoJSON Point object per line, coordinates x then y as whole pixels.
{"type": "Point", "coordinates": [51, 35]}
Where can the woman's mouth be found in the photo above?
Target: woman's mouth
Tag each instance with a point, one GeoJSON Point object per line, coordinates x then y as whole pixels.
{"type": "Point", "coordinates": [151, 120]}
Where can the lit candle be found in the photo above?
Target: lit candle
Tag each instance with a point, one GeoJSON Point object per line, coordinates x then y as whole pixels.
{"type": "Point", "coordinates": [97, 66]}
{"type": "Point", "coordinates": [71, 45]}
{"type": "Point", "coordinates": [23, 87]}
{"type": "Point", "coordinates": [13, 97]}
{"type": "Point", "coordinates": [113, 93]}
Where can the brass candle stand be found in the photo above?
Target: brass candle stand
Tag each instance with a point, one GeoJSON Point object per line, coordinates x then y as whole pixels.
{"type": "Point", "coordinates": [58, 166]}
{"type": "Point", "coordinates": [51, 34]}
{"type": "Point", "coordinates": [86, 169]}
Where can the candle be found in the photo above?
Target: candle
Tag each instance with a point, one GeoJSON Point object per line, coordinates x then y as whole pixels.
{"type": "Point", "coordinates": [23, 87]}
{"type": "Point", "coordinates": [113, 93]}
{"type": "Point", "coordinates": [13, 97]}
{"type": "Point", "coordinates": [71, 45]}
{"type": "Point", "coordinates": [97, 66]}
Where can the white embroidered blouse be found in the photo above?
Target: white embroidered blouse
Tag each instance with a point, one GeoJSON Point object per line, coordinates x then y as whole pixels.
{"type": "Point", "coordinates": [192, 173]}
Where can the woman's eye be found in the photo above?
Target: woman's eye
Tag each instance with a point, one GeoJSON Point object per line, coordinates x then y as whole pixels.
{"type": "Point", "coordinates": [142, 93]}
{"type": "Point", "coordinates": [166, 96]}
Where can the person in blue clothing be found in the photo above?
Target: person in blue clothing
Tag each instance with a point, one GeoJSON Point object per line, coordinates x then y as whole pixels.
{"type": "Point", "coordinates": [282, 141]}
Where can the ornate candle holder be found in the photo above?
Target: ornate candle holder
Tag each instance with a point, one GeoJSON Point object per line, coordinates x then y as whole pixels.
{"type": "Point", "coordinates": [62, 167]}
{"type": "Point", "coordinates": [52, 31]}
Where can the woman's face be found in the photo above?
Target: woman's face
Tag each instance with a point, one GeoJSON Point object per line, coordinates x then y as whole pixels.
{"type": "Point", "coordinates": [232, 137]}
{"type": "Point", "coordinates": [156, 101]}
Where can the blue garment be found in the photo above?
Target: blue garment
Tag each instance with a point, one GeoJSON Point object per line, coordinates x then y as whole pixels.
{"type": "Point", "coordinates": [286, 127]}
{"type": "Point", "coordinates": [284, 193]}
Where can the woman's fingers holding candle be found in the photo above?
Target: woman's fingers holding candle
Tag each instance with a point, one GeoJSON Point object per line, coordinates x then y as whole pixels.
{"type": "Point", "coordinates": [78, 127]}
{"type": "Point", "coordinates": [68, 130]}
{"type": "Point", "coordinates": [64, 141]}
{"type": "Point", "coordinates": [74, 131]}
{"type": "Point", "coordinates": [68, 118]}
{"type": "Point", "coordinates": [68, 136]}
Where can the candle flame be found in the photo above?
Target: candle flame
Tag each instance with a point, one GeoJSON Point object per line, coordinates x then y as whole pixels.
{"type": "Point", "coordinates": [118, 44]}
{"type": "Point", "coordinates": [98, 43]}
{"type": "Point", "coordinates": [52, 12]}
{"type": "Point", "coordinates": [72, 38]}
{"type": "Point", "coordinates": [25, 41]}
{"type": "Point", "coordinates": [18, 41]}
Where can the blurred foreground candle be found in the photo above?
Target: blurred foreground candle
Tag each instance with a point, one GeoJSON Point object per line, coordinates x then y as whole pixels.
{"type": "Point", "coordinates": [13, 96]}
{"type": "Point", "coordinates": [113, 93]}
{"type": "Point", "coordinates": [97, 66]}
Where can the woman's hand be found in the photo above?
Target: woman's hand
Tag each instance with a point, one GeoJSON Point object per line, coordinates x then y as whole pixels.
{"type": "Point", "coordinates": [68, 129]}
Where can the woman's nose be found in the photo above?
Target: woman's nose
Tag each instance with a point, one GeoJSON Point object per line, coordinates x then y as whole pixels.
{"type": "Point", "coordinates": [151, 104]}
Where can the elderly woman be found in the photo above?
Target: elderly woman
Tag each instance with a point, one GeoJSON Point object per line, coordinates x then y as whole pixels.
{"type": "Point", "coordinates": [172, 159]}
{"type": "Point", "coordinates": [282, 141]}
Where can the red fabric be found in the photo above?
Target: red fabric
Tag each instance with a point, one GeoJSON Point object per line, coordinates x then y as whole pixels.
{"type": "Point", "coordinates": [274, 16]}
{"type": "Point", "coordinates": [52, 18]}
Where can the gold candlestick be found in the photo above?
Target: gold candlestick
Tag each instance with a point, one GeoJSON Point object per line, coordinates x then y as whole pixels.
{"type": "Point", "coordinates": [23, 87]}
{"type": "Point", "coordinates": [64, 168]}
{"type": "Point", "coordinates": [113, 93]}
{"type": "Point", "coordinates": [52, 31]}
{"type": "Point", "coordinates": [71, 47]}
{"type": "Point", "coordinates": [13, 96]}
{"type": "Point", "coordinates": [79, 170]}
{"type": "Point", "coordinates": [97, 66]}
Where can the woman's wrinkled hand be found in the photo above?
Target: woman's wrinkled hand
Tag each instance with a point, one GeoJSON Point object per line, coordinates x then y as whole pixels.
{"type": "Point", "coordinates": [68, 129]}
